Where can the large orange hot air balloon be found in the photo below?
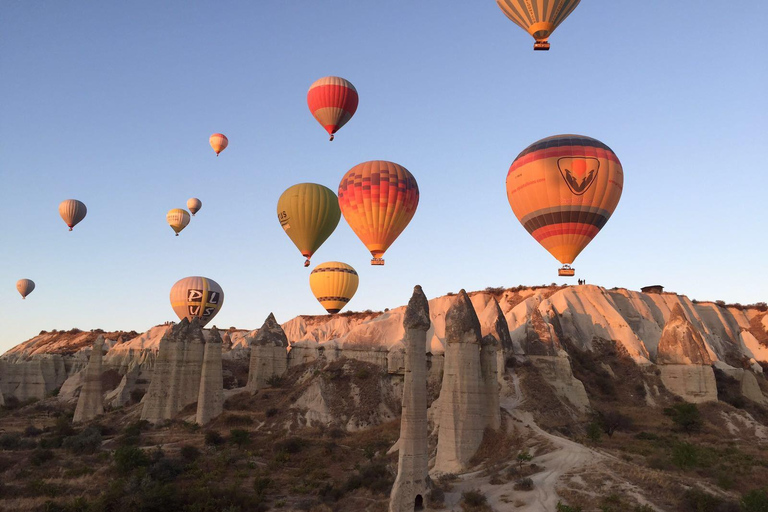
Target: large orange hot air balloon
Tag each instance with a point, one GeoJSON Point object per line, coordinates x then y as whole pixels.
{"type": "Point", "coordinates": [538, 17]}
{"type": "Point", "coordinates": [72, 212]}
{"type": "Point", "coordinates": [378, 200]}
{"type": "Point", "coordinates": [563, 189]}
{"type": "Point", "coordinates": [218, 142]}
{"type": "Point", "coordinates": [333, 102]}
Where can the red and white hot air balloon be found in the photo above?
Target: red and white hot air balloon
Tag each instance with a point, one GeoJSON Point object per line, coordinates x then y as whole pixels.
{"type": "Point", "coordinates": [218, 142]}
{"type": "Point", "coordinates": [333, 102]}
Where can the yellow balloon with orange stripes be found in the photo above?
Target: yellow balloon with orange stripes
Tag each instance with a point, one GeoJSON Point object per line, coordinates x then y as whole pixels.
{"type": "Point", "coordinates": [563, 189]}
{"type": "Point", "coordinates": [538, 17]}
{"type": "Point", "coordinates": [334, 284]}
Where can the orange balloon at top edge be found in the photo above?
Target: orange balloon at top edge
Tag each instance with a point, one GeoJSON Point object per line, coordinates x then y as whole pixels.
{"type": "Point", "coordinates": [219, 142]}
{"type": "Point", "coordinates": [378, 200]}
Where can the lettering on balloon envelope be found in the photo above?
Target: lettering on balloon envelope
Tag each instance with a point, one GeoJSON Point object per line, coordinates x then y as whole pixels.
{"type": "Point", "coordinates": [195, 296]}
{"type": "Point", "coordinates": [579, 173]}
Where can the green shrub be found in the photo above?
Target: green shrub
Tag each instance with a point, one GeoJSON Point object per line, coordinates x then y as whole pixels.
{"type": "Point", "coordinates": [40, 457]}
{"type": "Point", "coordinates": [189, 453]}
{"type": "Point", "coordinates": [646, 436]}
{"type": "Point", "coordinates": [291, 445]}
{"type": "Point", "coordinates": [275, 381]}
{"type": "Point", "coordinates": [239, 437]}
{"type": "Point", "coordinates": [755, 501]}
{"type": "Point", "coordinates": [32, 431]}
{"type": "Point", "coordinates": [128, 458]}
{"type": "Point", "coordinates": [233, 420]}
{"type": "Point", "coordinates": [87, 441]}
{"type": "Point", "coordinates": [594, 432]}
{"type": "Point", "coordinates": [213, 438]}
{"type": "Point", "coordinates": [524, 457]}
{"type": "Point", "coordinates": [566, 508]}
{"type": "Point", "coordinates": [272, 411]}
{"type": "Point", "coordinates": [473, 498]}
{"type": "Point", "coordinates": [524, 484]}
{"type": "Point", "coordinates": [685, 455]}
{"type": "Point", "coordinates": [686, 416]}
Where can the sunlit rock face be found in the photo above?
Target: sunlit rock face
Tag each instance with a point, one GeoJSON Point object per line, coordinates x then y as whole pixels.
{"type": "Point", "coordinates": [90, 403]}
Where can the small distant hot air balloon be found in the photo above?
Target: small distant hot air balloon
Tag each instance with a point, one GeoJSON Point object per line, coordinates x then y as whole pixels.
{"type": "Point", "coordinates": [538, 17]}
{"type": "Point", "coordinates": [194, 205]}
{"type": "Point", "coordinates": [177, 219]}
{"type": "Point", "coordinates": [333, 283]}
{"type": "Point", "coordinates": [308, 213]}
{"type": "Point", "coordinates": [563, 189]}
{"type": "Point", "coordinates": [196, 296]}
{"type": "Point", "coordinates": [378, 200]}
{"type": "Point", "coordinates": [333, 102]}
{"type": "Point", "coordinates": [219, 142]}
{"type": "Point", "coordinates": [25, 287]}
{"type": "Point", "coordinates": [72, 211]}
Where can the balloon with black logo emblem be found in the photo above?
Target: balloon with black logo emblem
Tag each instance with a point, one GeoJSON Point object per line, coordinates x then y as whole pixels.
{"type": "Point", "coordinates": [196, 296]}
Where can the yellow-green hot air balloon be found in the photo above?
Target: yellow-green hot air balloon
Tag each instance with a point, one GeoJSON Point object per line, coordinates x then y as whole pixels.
{"type": "Point", "coordinates": [194, 205]}
{"type": "Point", "coordinates": [177, 219]}
{"type": "Point", "coordinates": [333, 283]}
{"type": "Point", "coordinates": [563, 189]}
{"type": "Point", "coordinates": [196, 296]}
{"type": "Point", "coordinates": [72, 211]}
{"type": "Point", "coordinates": [308, 213]}
{"type": "Point", "coordinates": [25, 287]}
{"type": "Point", "coordinates": [538, 17]}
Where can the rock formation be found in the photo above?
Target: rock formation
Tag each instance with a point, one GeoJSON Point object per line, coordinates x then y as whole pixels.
{"type": "Point", "coordinates": [462, 395]}
{"type": "Point", "coordinates": [194, 352]}
{"type": "Point", "coordinates": [157, 395]}
{"type": "Point", "coordinates": [210, 401]}
{"type": "Point", "coordinates": [409, 491]}
{"type": "Point", "coordinates": [121, 395]}
{"type": "Point", "coordinates": [90, 403]}
{"type": "Point", "coordinates": [489, 373]}
{"type": "Point", "coordinates": [680, 342]}
{"type": "Point", "coordinates": [685, 369]}
{"type": "Point", "coordinates": [269, 354]}
{"type": "Point", "coordinates": [2, 400]}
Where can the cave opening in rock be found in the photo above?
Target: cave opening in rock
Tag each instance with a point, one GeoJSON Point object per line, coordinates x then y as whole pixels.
{"type": "Point", "coordinates": [419, 503]}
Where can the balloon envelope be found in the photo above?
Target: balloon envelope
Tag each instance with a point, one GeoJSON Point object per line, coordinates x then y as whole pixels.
{"type": "Point", "coordinates": [25, 287]}
{"type": "Point", "coordinates": [332, 101]}
{"type": "Point", "coordinates": [194, 205]}
{"type": "Point", "coordinates": [196, 296]}
{"type": "Point", "coordinates": [177, 219]}
{"type": "Point", "coordinates": [378, 200]}
{"type": "Point", "coordinates": [218, 142]}
{"type": "Point", "coordinates": [538, 17]}
{"type": "Point", "coordinates": [308, 213]}
{"type": "Point", "coordinates": [563, 189]}
{"type": "Point", "coordinates": [333, 283]}
{"type": "Point", "coordinates": [72, 211]}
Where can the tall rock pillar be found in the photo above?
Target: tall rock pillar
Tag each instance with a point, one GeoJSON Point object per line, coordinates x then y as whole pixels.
{"type": "Point", "coordinates": [488, 370]}
{"type": "Point", "coordinates": [194, 351]}
{"type": "Point", "coordinates": [409, 492]}
{"type": "Point", "coordinates": [463, 416]}
{"type": "Point", "coordinates": [210, 401]}
{"type": "Point", "coordinates": [269, 354]}
{"type": "Point", "coordinates": [90, 404]}
{"type": "Point", "coordinates": [505, 348]}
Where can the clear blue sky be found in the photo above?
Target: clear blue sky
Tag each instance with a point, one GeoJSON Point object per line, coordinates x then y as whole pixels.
{"type": "Point", "coordinates": [112, 103]}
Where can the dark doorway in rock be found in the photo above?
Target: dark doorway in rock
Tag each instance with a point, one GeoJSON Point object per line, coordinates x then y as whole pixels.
{"type": "Point", "coordinates": [419, 504]}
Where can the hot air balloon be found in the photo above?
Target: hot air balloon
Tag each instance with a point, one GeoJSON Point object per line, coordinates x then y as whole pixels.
{"type": "Point", "coordinates": [72, 211]}
{"type": "Point", "coordinates": [333, 102]}
{"type": "Point", "coordinates": [196, 296]}
{"type": "Point", "coordinates": [194, 205]}
{"type": "Point", "coordinates": [219, 142]}
{"type": "Point", "coordinates": [334, 283]}
{"type": "Point", "coordinates": [378, 200]}
{"type": "Point", "coordinates": [538, 17]}
{"type": "Point", "coordinates": [308, 213]}
{"type": "Point", "coordinates": [25, 287]}
{"type": "Point", "coordinates": [563, 189]}
{"type": "Point", "coordinates": [177, 219]}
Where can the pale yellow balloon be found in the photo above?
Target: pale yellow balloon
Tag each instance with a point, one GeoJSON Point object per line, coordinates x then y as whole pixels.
{"type": "Point", "coordinates": [25, 287]}
{"type": "Point", "coordinates": [196, 296]}
{"type": "Point", "coordinates": [72, 211]}
{"type": "Point", "coordinates": [194, 205]}
{"type": "Point", "coordinates": [177, 219]}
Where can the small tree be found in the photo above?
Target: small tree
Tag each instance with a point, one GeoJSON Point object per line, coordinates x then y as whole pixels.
{"type": "Point", "coordinates": [239, 437]}
{"type": "Point", "coordinates": [686, 416]}
{"type": "Point", "coordinates": [524, 457]}
{"type": "Point", "coordinates": [611, 421]}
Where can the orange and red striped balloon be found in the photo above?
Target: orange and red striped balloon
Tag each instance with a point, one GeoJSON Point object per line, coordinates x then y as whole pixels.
{"type": "Point", "coordinates": [378, 200]}
{"type": "Point", "coordinates": [333, 102]}
{"type": "Point", "coordinates": [563, 189]}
